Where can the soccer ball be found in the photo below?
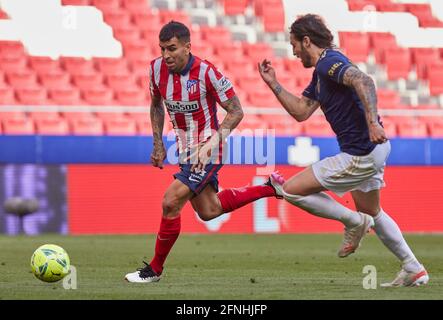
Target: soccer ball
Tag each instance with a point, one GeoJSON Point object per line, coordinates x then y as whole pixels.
{"type": "Point", "coordinates": [50, 263]}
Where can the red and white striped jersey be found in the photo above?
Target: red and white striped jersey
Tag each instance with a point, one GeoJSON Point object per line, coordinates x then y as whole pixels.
{"type": "Point", "coordinates": [191, 98]}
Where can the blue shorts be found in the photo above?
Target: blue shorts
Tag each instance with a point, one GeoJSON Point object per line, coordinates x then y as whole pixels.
{"type": "Point", "coordinates": [198, 181]}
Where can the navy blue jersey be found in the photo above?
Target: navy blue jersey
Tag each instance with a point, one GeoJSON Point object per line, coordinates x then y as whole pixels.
{"type": "Point", "coordinates": [342, 107]}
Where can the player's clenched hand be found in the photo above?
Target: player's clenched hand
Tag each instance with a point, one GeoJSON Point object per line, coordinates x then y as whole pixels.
{"type": "Point", "coordinates": [158, 155]}
{"type": "Point", "coordinates": [267, 72]}
{"type": "Point", "coordinates": [377, 133]}
{"type": "Point", "coordinates": [202, 155]}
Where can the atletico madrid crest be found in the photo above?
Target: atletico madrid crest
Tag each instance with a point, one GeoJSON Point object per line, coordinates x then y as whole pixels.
{"type": "Point", "coordinates": [191, 86]}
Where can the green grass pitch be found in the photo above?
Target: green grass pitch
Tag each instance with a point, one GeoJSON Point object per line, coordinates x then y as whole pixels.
{"type": "Point", "coordinates": [275, 267]}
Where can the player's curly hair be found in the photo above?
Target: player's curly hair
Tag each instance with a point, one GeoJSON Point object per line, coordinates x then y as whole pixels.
{"type": "Point", "coordinates": [312, 26]}
{"type": "Point", "coordinates": [174, 29]}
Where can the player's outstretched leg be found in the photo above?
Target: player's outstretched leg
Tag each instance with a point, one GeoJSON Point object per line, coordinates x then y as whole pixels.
{"type": "Point", "coordinates": [234, 198]}
{"type": "Point", "coordinates": [357, 224]}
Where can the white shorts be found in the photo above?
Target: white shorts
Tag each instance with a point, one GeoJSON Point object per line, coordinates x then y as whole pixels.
{"type": "Point", "coordinates": [343, 173]}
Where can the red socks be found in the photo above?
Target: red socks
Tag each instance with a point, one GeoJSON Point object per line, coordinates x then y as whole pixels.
{"type": "Point", "coordinates": [235, 198]}
{"type": "Point", "coordinates": [168, 233]}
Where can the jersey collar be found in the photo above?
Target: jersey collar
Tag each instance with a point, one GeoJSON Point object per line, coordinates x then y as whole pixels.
{"type": "Point", "coordinates": [188, 65]}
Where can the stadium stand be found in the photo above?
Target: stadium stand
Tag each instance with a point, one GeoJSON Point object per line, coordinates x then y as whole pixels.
{"type": "Point", "coordinates": [109, 68]}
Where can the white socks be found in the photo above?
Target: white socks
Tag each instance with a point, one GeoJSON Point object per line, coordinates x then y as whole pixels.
{"type": "Point", "coordinates": [322, 205]}
{"type": "Point", "coordinates": [389, 233]}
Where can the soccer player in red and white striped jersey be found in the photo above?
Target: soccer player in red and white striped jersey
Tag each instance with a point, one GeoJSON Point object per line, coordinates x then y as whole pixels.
{"type": "Point", "coordinates": [190, 89]}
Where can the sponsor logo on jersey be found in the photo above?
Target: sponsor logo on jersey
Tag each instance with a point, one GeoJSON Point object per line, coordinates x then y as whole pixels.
{"type": "Point", "coordinates": [334, 67]}
{"type": "Point", "coordinates": [223, 84]}
{"type": "Point", "coordinates": [191, 86]}
{"type": "Point", "coordinates": [181, 106]}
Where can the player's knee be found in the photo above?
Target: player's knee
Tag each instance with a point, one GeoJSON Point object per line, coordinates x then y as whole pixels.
{"type": "Point", "coordinates": [208, 214]}
{"type": "Point", "coordinates": [170, 205]}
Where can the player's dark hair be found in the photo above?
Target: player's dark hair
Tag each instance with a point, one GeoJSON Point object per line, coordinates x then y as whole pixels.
{"type": "Point", "coordinates": [174, 29]}
{"type": "Point", "coordinates": [312, 26]}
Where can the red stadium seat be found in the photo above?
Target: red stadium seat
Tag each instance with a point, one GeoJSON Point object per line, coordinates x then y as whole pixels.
{"type": "Point", "coordinates": [388, 99]}
{"type": "Point", "coordinates": [12, 115]}
{"type": "Point", "coordinates": [252, 83]}
{"type": "Point", "coordinates": [138, 51]}
{"type": "Point", "coordinates": [214, 35]}
{"type": "Point", "coordinates": [274, 18]}
{"type": "Point", "coordinates": [390, 127]}
{"type": "Point", "coordinates": [87, 81]}
{"type": "Point", "coordinates": [202, 51]}
{"type": "Point", "coordinates": [398, 63]}
{"type": "Point", "coordinates": [52, 127]}
{"type": "Point", "coordinates": [8, 64]}
{"type": "Point", "coordinates": [101, 97]}
{"type": "Point", "coordinates": [256, 52]}
{"type": "Point", "coordinates": [355, 45]}
{"type": "Point", "coordinates": [117, 18]}
{"type": "Point", "coordinates": [251, 122]}
{"type": "Point", "coordinates": [391, 7]}
{"type": "Point", "coordinates": [87, 127]}
{"type": "Point", "coordinates": [7, 96]}
{"type": "Point", "coordinates": [32, 96]}
{"type": "Point", "coordinates": [135, 6]}
{"type": "Point", "coordinates": [435, 73]}
{"type": "Point", "coordinates": [423, 58]}
{"type": "Point", "coordinates": [180, 16]}
{"type": "Point", "coordinates": [284, 125]}
{"type": "Point", "coordinates": [23, 126]}
{"type": "Point", "coordinates": [135, 97]}
{"type": "Point", "coordinates": [44, 65]}
{"type": "Point", "coordinates": [260, 6]}
{"type": "Point", "coordinates": [121, 127]}
{"type": "Point", "coordinates": [68, 96]}
{"type": "Point", "coordinates": [41, 115]}
{"type": "Point", "coordinates": [106, 5]}
{"type": "Point", "coordinates": [262, 98]}
{"type": "Point", "coordinates": [144, 127]}
{"type": "Point", "coordinates": [226, 49]}
{"type": "Point", "coordinates": [127, 35]}
{"type": "Point", "coordinates": [358, 5]}
{"type": "Point", "coordinates": [413, 129]}
{"type": "Point", "coordinates": [21, 79]}
{"type": "Point", "coordinates": [318, 127]}
{"type": "Point", "coordinates": [234, 7]}
{"type": "Point", "coordinates": [74, 116]}
{"type": "Point", "coordinates": [11, 49]}
{"type": "Point", "coordinates": [139, 67]}
{"type": "Point", "coordinates": [146, 20]}
{"type": "Point", "coordinates": [77, 66]}
{"type": "Point", "coordinates": [55, 80]}
{"type": "Point", "coordinates": [436, 130]}
{"type": "Point", "coordinates": [121, 82]}
{"type": "Point", "coordinates": [107, 116]}
{"type": "Point", "coordinates": [111, 66]}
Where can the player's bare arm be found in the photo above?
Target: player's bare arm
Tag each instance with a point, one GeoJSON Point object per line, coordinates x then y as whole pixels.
{"type": "Point", "coordinates": [233, 117]}
{"type": "Point", "coordinates": [300, 108]}
{"type": "Point", "coordinates": [365, 88]}
{"type": "Point", "coordinates": [157, 114]}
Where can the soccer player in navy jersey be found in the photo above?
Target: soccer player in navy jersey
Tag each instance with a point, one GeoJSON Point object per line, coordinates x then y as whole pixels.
{"type": "Point", "coordinates": [190, 88]}
{"type": "Point", "coordinates": [347, 97]}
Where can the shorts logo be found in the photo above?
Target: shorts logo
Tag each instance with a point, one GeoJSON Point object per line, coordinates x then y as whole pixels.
{"type": "Point", "coordinates": [197, 177]}
{"type": "Point", "coordinates": [191, 86]}
{"type": "Point", "coordinates": [181, 106]}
